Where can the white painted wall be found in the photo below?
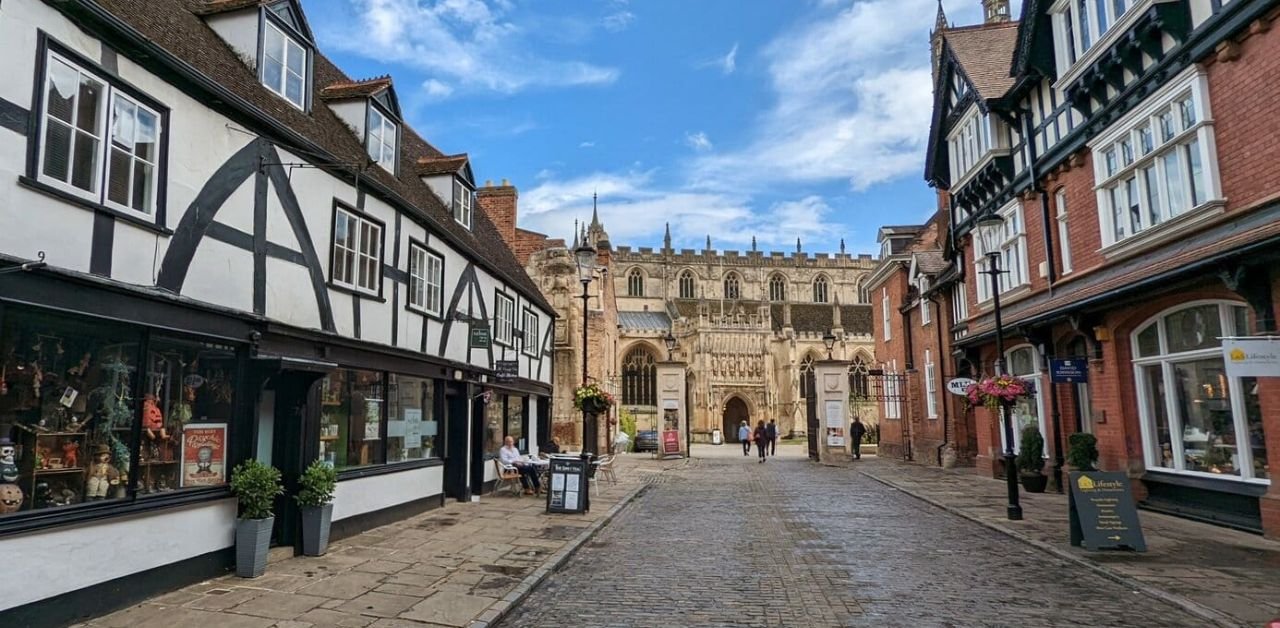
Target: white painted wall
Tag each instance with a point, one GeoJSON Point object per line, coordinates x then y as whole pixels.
{"type": "Point", "coordinates": [240, 30]}
{"type": "Point", "coordinates": [359, 496]}
{"type": "Point", "coordinates": [45, 564]}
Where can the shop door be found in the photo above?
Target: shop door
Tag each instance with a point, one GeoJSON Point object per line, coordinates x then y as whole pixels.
{"type": "Point", "coordinates": [295, 443]}
{"type": "Point", "coordinates": [477, 444]}
{"type": "Point", "coordinates": [457, 483]}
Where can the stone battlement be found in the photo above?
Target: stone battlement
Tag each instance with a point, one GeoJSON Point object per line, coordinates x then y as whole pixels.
{"type": "Point", "coordinates": [743, 258]}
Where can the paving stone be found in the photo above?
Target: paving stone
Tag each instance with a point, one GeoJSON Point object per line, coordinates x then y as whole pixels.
{"type": "Point", "coordinates": [222, 599]}
{"type": "Point", "coordinates": [327, 618]}
{"type": "Point", "coordinates": [344, 585]}
{"type": "Point", "coordinates": [448, 608]}
{"type": "Point", "coordinates": [380, 604]}
{"type": "Point", "coordinates": [277, 605]}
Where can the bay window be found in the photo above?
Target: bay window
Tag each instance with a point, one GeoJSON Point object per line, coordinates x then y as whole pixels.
{"type": "Point", "coordinates": [1158, 163]}
{"type": "Point", "coordinates": [969, 142]}
{"type": "Point", "coordinates": [1079, 25]}
{"type": "Point", "coordinates": [1013, 255]}
{"type": "Point", "coordinates": [1194, 418]}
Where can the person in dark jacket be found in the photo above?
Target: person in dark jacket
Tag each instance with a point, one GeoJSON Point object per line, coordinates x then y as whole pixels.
{"type": "Point", "coordinates": [761, 436]}
{"type": "Point", "coordinates": [856, 431]}
{"type": "Point", "coordinates": [772, 428]}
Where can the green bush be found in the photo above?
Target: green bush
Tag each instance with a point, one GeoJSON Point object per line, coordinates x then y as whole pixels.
{"type": "Point", "coordinates": [627, 423]}
{"type": "Point", "coordinates": [1031, 456]}
{"type": "Point", "coordinates": [256, 486]}
{"type": "Point", "coordinates": [315, 487]}
{"type": "Point", "coordinates": [872, 437]}
{"type": "Point", "coordinates": [1082, 451]}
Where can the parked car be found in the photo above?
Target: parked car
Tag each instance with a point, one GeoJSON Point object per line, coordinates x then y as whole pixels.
{"type": "Point", "coordinates": [647, 440]}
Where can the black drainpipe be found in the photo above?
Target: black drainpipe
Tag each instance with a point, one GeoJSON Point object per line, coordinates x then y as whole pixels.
{"type": "Point", "coordinates": [942, 374]}
{"type": "Point", "coordinates": [903, 389]}
{"type": "Point", "coordinates": [1046, 218]}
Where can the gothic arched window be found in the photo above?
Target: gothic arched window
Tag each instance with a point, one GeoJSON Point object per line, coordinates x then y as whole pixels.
{"type": "Point", "coordinates": [807, 380]}
{"type": "Point", "coordinates": [777, 288]}
{"type": "Point", "coordinates": [686, 284]}
{"type": "Point", "coordinates": [639, 378]}
{"type": "Point", "coordinates": [821, 290]}
{"type": "Point", "coordinates": [732, 286]}
{"type": "Point", "coordinates": [635, 283]}
{"type": "Point", "coordinates": [863, 296]}
{"type": "Point", "coordinates": [859, 378]}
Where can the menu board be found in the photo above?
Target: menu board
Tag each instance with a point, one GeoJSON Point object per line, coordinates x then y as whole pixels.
{"type": "Point", "coordinates": [1103, 515]}
{"type": "Point", "coordinates": [568, 485]}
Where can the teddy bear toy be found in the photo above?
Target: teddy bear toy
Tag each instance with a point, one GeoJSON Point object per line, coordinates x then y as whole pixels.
{"type": "Point", "coordinates": [153, 419]}
{"type": "Point", "coordinates": [102, 476]}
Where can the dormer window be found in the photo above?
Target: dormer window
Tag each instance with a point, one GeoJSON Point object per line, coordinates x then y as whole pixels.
{"type": "Point", "coordinates": [284, 65]}
{"type": "Point", "coordinates": [381, 140]}
{"type": "Point", "coordinates": [463, 201]}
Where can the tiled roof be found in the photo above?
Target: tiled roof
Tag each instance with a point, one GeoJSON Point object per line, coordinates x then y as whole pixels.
{"type": "Point", "coordinates": [427, 166]}
{"type": "Point", "coordinates": [930, 262]}
{"type": "Point", "coordinates": [356, 89]}
{"type": "Point", "coordinates": [818, 318]}
{"type": "Point", "coordinates": [644, 321]}
{"type": "Point", "coordinates": [174, 26]}
{"type": "Point", "coordinates": [986, 53]}
{"type": "Point", "coordinates": [213, 7]}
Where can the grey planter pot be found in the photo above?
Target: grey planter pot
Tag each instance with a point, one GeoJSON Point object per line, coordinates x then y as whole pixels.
{"type": "Point", "coordinates": [253, 539]}
{"type": "Point", "coordinates": [315, 529]}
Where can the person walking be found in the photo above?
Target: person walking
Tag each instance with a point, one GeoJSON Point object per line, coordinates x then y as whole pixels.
{"type": "Point", "coordinates": [744, 435]}
{"type": "Point", "coordinates": [761, 436]}
{"type": "Point", "coordinates": [773, 437]}
{"type": "Point", "coordinates": [856, 431]}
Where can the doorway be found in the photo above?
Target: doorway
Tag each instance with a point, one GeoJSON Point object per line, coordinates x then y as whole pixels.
{"type": "Point", "coordinates": [808, 383]}
{"type": "Point", "coordinates": [294, 428]}
{"type": "Point", "coordinates": [735, 412]}
{"type": "Point", "coordinates": [457, 465]}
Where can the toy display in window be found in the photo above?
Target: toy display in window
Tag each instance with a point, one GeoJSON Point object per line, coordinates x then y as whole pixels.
{"type": "Point", "coordinates": [10, 498]}
{"type": "Point", "coordinates": [153, 419]}
{"type": "Point", "coordinates": [103, 477]}
{"type": "Point", "coordinates": [8, 461]}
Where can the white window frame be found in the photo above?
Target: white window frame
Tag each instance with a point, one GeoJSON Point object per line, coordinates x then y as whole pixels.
{"type": "Point", "coordinates": [1037, 403]}
{"type": "Point", "coordinates": [1013, 255]}
{"type": "Point", "coordinates": [1064, 231]}
{"type": "Point", "coordinates": [1166, 361]}
{"type": "Point", "coordinates": [504, 313]}
{"type": "Point", "coordinates": [463, 202]}
{"type": "Point", "coordinates": [884, 309]}
{"type": "Point", "coordinates": [282, 89]}
{"type": "Point", "coordinates": [893, 399]}
{"type": "Point", "coordinates": [930, 386]}
{"type": "Point", "coordinates": [960, 302]}
{"type": "Point", "coordinates": [970, 142]}
{"type": "Point", "coordinates": [1122, 162]}
{"type": "Point", "coordinates": [926, 315]}
{"type": "Point", "coordinates": [103, 136]}
{"type": "Point", "coordinates": [379, 148]}
{"type": "Point", "coordinates": [530, 344]}
{"type": "Point", "coordinates": [426, 280]}
{"type": "Point", "coordinates": [368, 237]}
{"type": "Point", "coordinates": [1078, 37]}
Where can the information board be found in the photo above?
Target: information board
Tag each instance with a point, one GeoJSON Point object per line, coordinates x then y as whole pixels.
{"type": "Point", "coordinates": [568, 485]}
{"type": "Point", "coordinates": [1102, 512]}
{"type": "Point", "coordinates": [479, 338]}
{"type": "Point", "coordinates": [1069, 371]}
{"type": "Point", "coordinates": [506, 370]}
{"type": "Point", "coordinates": [670, 443]}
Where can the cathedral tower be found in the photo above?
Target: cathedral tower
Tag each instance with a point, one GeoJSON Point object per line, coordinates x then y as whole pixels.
{"type": "Point", "coordinates": [996, 11]}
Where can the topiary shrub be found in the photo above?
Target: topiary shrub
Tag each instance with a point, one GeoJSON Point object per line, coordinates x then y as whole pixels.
{"type": "Point", "coordinates": [256, 487]}
{"type": "Point", "coordinates": [1031, 455]}
{"type": "Point", "coordinates": [1082, 451]}
{"type": "Point", "coordinates": [316, 485]}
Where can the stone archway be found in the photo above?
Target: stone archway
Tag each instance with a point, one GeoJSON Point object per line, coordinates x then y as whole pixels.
{"type": "Point", "coordinates": [735, 412]}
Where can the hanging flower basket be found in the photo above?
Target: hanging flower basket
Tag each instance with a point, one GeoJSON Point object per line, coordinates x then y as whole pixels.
{"type": "Point", "coordinates": [993, 391]}
{"type": "Point", "coordinates": [592, 398]}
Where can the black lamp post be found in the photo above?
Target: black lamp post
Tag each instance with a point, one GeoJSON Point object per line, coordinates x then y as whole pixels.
{"type": "Point", "coordinates": [585, 255]}
{"type": "Point", "coordinates": [670, 341]}
{"type": "Point", "coordinates": [991, 230]}
{"type": "Point", "coordinates": [830, 341]}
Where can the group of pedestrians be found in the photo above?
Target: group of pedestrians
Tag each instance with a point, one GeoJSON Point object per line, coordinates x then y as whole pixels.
{"type": "Point", "coordinates": [764, 436]}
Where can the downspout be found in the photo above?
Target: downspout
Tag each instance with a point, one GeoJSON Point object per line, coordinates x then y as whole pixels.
{"type": "Point", "coordinates": [1046, 218]}
{"type": "Point", "coordinates": [942, 373]}
{"type": "Point", "coordinates": [910, 365]}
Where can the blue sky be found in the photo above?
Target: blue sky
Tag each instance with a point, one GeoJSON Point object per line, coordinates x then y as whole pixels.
{"type": "Point", "coordinates": [778, 119]}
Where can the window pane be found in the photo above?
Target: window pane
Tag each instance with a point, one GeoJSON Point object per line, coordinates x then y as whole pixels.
{"type": "Point", "coordinates": [146, 139]}
{"type": "Point", "coordinates": [186, 415]}
{"type": "Point", "coordinates": [493, 423]}
{"type": "Point", "coordinates": [272, 73]}
{"type": "Point", "coordinates": [1196, 168]}
{"type": "Point", "coordinates": [57, 151]}
{"type": "Point", "coordinates": [1086, 38]}
{"type": "Point", "coordinates": [67, 405]}
{"type": "Point", "coordinates": [293, 88]}
{"type": "Point", "coordinates": [1240, 316]}
{"type": "Point", "coordinates": [143, 174]}
{"type": "Point", "coordinates": [1151, 180]}
{"type": "Point", "coordinates": [1126, 151]}
{"type": "Point", "coordinates": [351, 419]}
{"type": "Point", "coordinates": [1162, 447]}
{"type": "Point", "coordinates": [1167, 130]}
{"type": "Point", "coordinates": [123, 119]}
{"type": "Point", "coordinates": [64, 82]}
{"type": "Point", "coordinates": [1110, 158]}
{"type": "Point", "coordinates": [1149, 341]}
{"type": "Point", "coordinates": [1208, 429]}
{"type": "Point", "coordinates": [1103, 22]}
{"type": "Point", "coordinates": [515, 421]}
{"type": "Point", "coordinates": [1253, 423]}
{"type": "Point", "coordinates": [412, 426]}
{"type": "Point", "coordinates": [1193, 329]}
{"type": "Point", "coordinates": [1187, 108]}
{"type": "Point", "coordinates": [1119, 204]}
{"type": "Point", "coordinates": [1146, 140]}
{"type": "Point", "coordinates": [118, 177]}
{"type": "Point", "coordinates": [297, 58]}
{"type": "Point", "coordinates": [1134, 204]}
{"type": "Point", "coordinates": [84, 162]}
{"type": "Point", "coordinates": [88, 116]}
{"type": "Point", "coordinates": [1173, 183]}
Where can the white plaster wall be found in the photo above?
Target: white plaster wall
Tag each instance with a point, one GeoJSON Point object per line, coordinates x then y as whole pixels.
{"type": "Point", "coordinates": [442, 185]}
{"type": "Point", "coordinates": [238, 210]}
{"type": "Point", "coordinates": [23, 235]}
{"type": "Point", "coordinates": [354, 113]}
{"type": "Point", "coordinates": [240, 30]}
{"type": "Point", "coordinates": [355, 497]}
{"type": "Point", "coordinates": [136, 254]}
{"type": "Point", "coordinates": [221, 273]}
{"type": "Point", "coordinates": [45, 564]}
{"type": "Point", "coordinates": [289, 294]}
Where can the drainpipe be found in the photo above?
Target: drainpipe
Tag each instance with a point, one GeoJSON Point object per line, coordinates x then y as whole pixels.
{"type": "Point", "coordinates": [1046, 218]}
{"type": "Point", "coordinates": [942, 373]}
{"type": "Point", "coordinates": [903, 387]}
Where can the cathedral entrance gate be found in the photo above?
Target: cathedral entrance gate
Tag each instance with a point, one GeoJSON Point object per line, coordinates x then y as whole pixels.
{"type": "Point", "coordinates": [735, 412]}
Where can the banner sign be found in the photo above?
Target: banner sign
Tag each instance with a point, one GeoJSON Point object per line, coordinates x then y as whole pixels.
{"type": "Point", "coordinates": [479, 337]}
{"type": "Point", "coordinates": [506, 370]}
{"type": "Point", "coordinates": [959, 385]}
{"type": "Point", "coordinates": [1069, 371]}
{"type": "Point", "coordinates": [1252, 357]}
{"type": "Point", "coordinates": [1102, 512]}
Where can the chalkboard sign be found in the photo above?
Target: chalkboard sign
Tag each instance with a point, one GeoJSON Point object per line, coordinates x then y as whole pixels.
{"type": "Point", "coordinates": [506, 370]}
{"type": "Point", "coordinates": [568, 491]}
{"type": "Point", "coordinates": [1102, 512]}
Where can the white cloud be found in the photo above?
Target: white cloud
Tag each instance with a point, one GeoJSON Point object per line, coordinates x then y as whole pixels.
{"type": "Point", "coordinates": [698, 141]}
{"type": "Point", "coordinates": [462, 44]}
{"type": "Point", "coordinates": [727, 63]}
{"type": "Point", "coordinates": [587, 145]}
{"type": "Point", "coordinates": [619, 21]}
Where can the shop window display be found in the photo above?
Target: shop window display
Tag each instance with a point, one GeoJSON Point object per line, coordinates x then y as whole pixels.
{"type": "Point", "coordinates": [351, 419]}
{"type": "Point", "coordinates": [494, 417]}
{"type": "Point", "coordinates": [515, 421]}
{"type": "Point", "coordinates": [412, 426]}
{"type": "Point", "coordinates": [68, 409]}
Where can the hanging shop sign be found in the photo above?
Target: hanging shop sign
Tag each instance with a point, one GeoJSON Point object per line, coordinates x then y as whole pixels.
{"type": "Point", "coordinates": [480, 338]}
{"type": "Point", "coordinates": [1252, 357]}
{"type": "Point", "coordinates": [568, 485]}
{"type": "Point", "coordinates": [959, 385]}
{"type": "Point", "coordinates": [506, 370]}
{"type": "Point", "coordinates": [1069, 371]}
{"type": "Point", "coordinates": [1102, 512]}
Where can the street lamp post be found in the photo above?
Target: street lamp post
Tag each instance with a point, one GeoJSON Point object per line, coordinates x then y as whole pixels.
{"type": "Point", "coordinates": [830, 341]}
{"type": "Point", "coordinates": [670, 341]}
{"type": "Point", "coordinates": [585, 255]}
{"type": "Point", "coordinates": [991, 231]}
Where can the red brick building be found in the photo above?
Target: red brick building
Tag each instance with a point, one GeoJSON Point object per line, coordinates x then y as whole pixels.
{"type": "Point", "coordinates": [1128, 148]}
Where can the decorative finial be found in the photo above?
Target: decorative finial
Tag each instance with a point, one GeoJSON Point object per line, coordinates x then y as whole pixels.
{"type": "Point", "coordinates": [576, 242]}
{"type": "Point", "coordinates": [940, 22]}
{"type": "Point", "coordinates": [798, 245]}
{"type": "Point", "coordinates": [708, 242]}
{"type": "Point", "coordinates": [666, 238]}
{"type": "Point", "coordinates": [842, 246]}
{"type": "Point", "coordinates": [753, 243]}
{"type": "Point", "coordinates": [595, 214]}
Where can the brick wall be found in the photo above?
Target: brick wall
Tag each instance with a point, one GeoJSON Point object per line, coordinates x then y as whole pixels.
{"type": "Point", "coordinates": [1269, 396]}
{"type": "Point", "coordinates": [498, 202]}
{"type": "Point", "coordinates": [1243, 94]}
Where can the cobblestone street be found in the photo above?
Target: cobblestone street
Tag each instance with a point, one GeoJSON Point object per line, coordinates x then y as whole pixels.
{"type": "Point", "coordinates": [727, 541]}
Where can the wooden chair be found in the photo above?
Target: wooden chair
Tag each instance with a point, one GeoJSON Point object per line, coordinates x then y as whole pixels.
{"type": "Point", "coordinates": [508, 477]}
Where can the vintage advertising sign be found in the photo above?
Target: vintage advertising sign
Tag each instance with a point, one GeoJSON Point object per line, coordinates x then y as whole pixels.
{"type": "Point", "coordinates": [204, 454]}
{"type": "Point", "coordinates": [479, 337]}
{"type": "Point", "coordinates": [670, 442]}
{"type": "Point", "coordinates": [506, 370]}
{"type": "Point", "coordinates": [1103, 515]}
{"type": "Point", "coordinates": [1251, 357]}
{"type": "Point", "coordinates": [1069, 371]}
{"type": "Point", "coordinates": [958, 385]}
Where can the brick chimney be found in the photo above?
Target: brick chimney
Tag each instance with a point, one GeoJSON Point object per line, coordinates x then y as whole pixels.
{"type": "Point", "coordinates": [498, 202]}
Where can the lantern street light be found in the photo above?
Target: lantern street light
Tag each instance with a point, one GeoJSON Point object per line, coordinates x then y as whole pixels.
{"type": "Point", "coordinates": [830, 341]}
{"type": "Point", "coordinates": [585, 256]}
{"type": "Point", "coordinates": [991, 231]}
{"type": "Point", "coordinates": [670, 341]}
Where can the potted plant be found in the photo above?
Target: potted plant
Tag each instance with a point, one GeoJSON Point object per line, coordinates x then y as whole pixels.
{"type": "Point", "coordinates": [315, 498]}
{"type": "Point", "coordinates": [1030, 460]}
{"type": "Point", "coordinates": [1082, 452]}
{"type": "Point", "coordinates": [592, 398]}
{"type": "Point", "coordinates": [256, 487]}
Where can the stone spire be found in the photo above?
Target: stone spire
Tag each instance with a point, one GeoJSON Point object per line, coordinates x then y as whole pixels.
{"type": "Point", "coordinates": [753, 243]}
{"type": "Point", "coordinates": [939, 22]}
{"type": "Point", "coordinates": [576, 242]}
{"type": "Point", "coordinates": [708, 242]}
{"type": "Point", "coordinates": [798, 250]}
{"type": "Point", "coordinates": [666, 238]}
{"type": "Point", "coordinates": [935, 39]}
{"type": "Point", "coordinates": [595, 233]}
{"type": "Point", "coordinates": [842, 246]}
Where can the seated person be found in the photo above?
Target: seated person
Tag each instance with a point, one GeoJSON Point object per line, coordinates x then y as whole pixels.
{"type": "Point", "coordinates": [511, 457]}
{"type": "Point", "coordinates": [552, 447]}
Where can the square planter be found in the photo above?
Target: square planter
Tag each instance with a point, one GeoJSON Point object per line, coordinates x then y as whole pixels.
{"type": "Point", "coordinates": [315, 529]}
{"type": "Point", "coordinates": [253, 540]}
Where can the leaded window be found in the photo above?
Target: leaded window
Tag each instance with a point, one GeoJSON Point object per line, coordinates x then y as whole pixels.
{"type": "Point", "coordinates": [639, 378]}
{"type": "Point", "coordinates": [777, 288]}
{"type": "Point", "coordinates": [686, 284]}
{"type": "Point", "coordinates": [821, 290]}
{"type": "Point", "coordinates": [635, 283]}
{"type": "Point", "coordinates": [732, 286]}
